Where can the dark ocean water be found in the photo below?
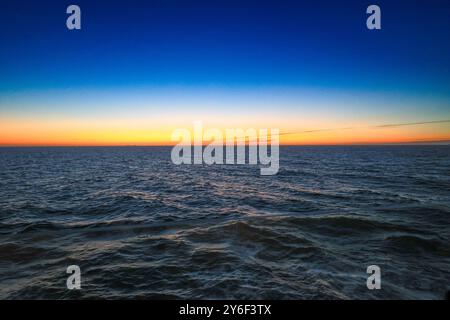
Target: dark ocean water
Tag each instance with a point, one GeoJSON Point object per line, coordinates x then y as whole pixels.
{"type": "Point", "coordinates": [140, 227]}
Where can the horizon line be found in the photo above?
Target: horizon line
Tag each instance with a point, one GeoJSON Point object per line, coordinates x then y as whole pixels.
{"type": "Point", "coordinates": [417, 142]}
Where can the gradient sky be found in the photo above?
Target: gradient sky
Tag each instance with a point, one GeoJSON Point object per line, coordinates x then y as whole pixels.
{"type": "Point", "coordinates": [139, 69]}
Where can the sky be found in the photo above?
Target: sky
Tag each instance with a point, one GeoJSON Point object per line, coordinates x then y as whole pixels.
{"type": "Point", "coordinates": [137, 70]}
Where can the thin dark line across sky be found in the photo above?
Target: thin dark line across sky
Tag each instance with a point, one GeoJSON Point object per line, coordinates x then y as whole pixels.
{"type": "Point", "coordinates": [390, 125]}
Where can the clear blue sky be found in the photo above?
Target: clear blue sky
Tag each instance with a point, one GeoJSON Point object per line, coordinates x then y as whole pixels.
{"type": "Point", "coordinates": [232, 43]}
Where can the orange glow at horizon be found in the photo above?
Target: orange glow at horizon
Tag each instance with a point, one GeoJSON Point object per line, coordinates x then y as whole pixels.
{"type": "Point", "coordinates": [157, 132]}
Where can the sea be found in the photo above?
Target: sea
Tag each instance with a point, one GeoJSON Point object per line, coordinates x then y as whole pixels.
{"type": "Point", "coordinates": [140, 227]}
